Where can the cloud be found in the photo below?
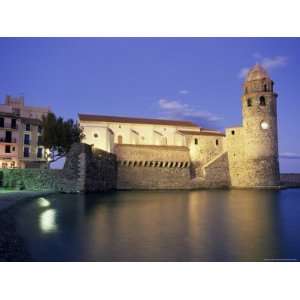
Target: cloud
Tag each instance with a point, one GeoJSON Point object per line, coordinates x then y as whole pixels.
{"type": "Point", "coordinates": [268, 63]}
{"type": "Point", "coordinates": [275, 62]}
{"type": "Point", "coordinates": [289, 155]}
{"type": "Point", "coordinates": [177, 109]}
{"type": "Point", "coordinates": [184, 92]}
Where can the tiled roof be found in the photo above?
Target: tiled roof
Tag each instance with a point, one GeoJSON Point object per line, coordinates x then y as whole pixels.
{"type": "Point", "coordinates": [202, 132]}
{"type": "Point", "coordinates": [87, 117]}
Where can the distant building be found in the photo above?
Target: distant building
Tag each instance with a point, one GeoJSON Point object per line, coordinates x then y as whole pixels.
{"type": "Point", "coordinates": [20, 131]}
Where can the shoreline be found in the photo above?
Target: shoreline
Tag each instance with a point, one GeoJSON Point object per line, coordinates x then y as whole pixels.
{"type": "Point", "coordinates": [9, 198]}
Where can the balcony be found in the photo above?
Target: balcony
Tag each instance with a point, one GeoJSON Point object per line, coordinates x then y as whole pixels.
{"type": "Point", "coordinates": [9, 155]}
{"type": "Point", "coordinates": [8, 141]}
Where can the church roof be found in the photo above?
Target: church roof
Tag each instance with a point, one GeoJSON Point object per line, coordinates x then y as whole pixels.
{"type": "Point", "coordinates": [202, 132]}
{"type": "Point", "coordinates": [117, 119]}
{"type": "Point", "coordinates": [256, 73]}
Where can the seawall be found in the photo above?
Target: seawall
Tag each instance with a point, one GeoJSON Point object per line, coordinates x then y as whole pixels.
{"type": "Point", "coordinates": [133, 167]}
{"type": "Point", "coordinates": [152, 167]}
{"type": "Point", "coordinates": [85, 170]}
{"type": "Point", "coordinates": [290, 179]}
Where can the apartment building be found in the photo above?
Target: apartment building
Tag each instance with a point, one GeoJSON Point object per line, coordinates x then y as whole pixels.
{"type": "Point", "coordinates": [20, 134]}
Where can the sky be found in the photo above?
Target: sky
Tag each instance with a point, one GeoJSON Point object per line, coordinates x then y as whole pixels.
{"type": "Point", "coordinates": [197, 79]}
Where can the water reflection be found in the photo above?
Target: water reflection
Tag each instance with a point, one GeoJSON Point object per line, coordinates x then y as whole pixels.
{"type": "Point", "coordinates": [47, 220]}
{"type": "Point", "coordinates": [43, 202]}
{"type": "Point", "coordinates": [166, 225]}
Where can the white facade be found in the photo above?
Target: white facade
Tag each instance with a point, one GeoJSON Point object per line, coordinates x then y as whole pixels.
{"type": "Point", "coordinates": [104, 134]}
{"type": "Point", "coordinates": [100, 137]}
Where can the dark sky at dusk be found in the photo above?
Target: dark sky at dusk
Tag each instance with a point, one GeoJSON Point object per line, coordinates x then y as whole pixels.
{"type": "Point", "coordinates": [198, 79]}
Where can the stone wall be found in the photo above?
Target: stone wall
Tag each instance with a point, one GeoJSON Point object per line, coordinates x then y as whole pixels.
{"type": "Point", "coordinates": [31, 179]}
{"type": "Point", "coordinates": [216, 172]}
{"type": "Point", "coordinates": [234, 145]}
{"type": "Point", "coordinates": [148, 178]}
{"type": "Point", "coordinates": [138, 153]}
{"type": "Point", "coordinates": [206, 149]}
{"type": "Point", "coordinates": [138, 167]}
{"type": "Point", "coordinates": [100, 171]}
{"type": "Point", "coordinates": [84, 171]}
{"type": "Point", "coordinates": [153, 167]}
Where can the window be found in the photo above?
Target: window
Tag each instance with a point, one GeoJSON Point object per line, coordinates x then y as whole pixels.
{"type": "Point", "coordinates": [120, 139]}
{"type": "Point", "coordinates": [8, 137]}
{"type": "Point", "coordinates": [39, 129]}
{"type": "Point", "coordinates": [39, 140]}
{"type": "Point", "coordinates": [246, 90]}
{"type": "Point", "coordinates": [40, 152]}
{"type": "Point", "coordinates": [262, 101]}
{"type": "Point", "coordinates": [26, 152]}
{"type": "Point", "coordinates": [7, 148]}
{"type": "Point", "coordinates": [217, 142]}
{"type": "Point", "coordinates": [95, 135]}
{"type": "Point", "coordinates": [265, 87]}
{"type": "Point", "coordinates": [249, 102]}
{"type": "Point", "coordinates": [232, 132]}
{"type": "Point", "coordinates": [13, 123]}
{"type": "Point", "coordinates": [26, 139]}
{"type": "Point", "coordinates": [13, 149]}
{"type": "Point", "coordinates": [27, 127]}
{"type": "Point", "coordinates": [2, 122]}
{"type": "Point", "coordinates": [196, 141]}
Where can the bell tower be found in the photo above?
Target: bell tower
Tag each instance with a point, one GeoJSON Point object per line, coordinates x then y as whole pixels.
{"type": "Point", "coordinates": [260, 129]}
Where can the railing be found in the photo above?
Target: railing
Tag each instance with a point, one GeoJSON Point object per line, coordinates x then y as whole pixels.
{"type": "Point", "coordinates": [11, 154]}
{"type": "Point", "coordinates": [9, 141]}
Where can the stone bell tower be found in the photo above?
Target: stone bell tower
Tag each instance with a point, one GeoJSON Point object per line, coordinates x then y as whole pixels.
{"type": "Point", "coordinates": [260, 129]}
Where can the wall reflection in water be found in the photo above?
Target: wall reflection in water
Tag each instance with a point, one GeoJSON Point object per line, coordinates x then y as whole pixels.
{"type": "Point", "coordinates": [158, 225]}
{"type": "Point", "coordinates": [47, 220]}
{"type": "Point", "coordinates": [207, 225]}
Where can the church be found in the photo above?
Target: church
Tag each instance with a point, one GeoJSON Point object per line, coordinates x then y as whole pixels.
{"type": "Point", "coordinates": [156, 153]}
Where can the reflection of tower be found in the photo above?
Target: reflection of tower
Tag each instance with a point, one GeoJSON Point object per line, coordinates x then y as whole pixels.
{"type": "Point", "coordinates": [260, 129]}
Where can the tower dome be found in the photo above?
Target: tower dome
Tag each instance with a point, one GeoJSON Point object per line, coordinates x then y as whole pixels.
{"type": "Point", "coordinates": [257, 73]}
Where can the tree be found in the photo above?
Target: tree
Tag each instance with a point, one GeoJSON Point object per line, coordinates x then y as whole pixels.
{"type": "Point", "coordinates": [58, 136]}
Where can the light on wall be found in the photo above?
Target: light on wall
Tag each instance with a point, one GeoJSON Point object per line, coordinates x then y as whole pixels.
{"type": "Point", "coordinates": [264, 125]}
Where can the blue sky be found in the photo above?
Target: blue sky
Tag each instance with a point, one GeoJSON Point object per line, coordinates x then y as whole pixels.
{"type": "Point", "coordinates": [197, 79]}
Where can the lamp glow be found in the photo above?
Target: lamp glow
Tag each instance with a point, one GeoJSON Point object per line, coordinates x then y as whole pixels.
{"type": "Point", "coordinates": [264, 125]}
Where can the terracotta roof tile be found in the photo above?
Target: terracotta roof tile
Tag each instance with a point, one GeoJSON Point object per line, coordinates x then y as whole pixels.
{"type": "Point", "coordinates": [202, 132]}
{"type": "Point", "coordinates": [87, 117]}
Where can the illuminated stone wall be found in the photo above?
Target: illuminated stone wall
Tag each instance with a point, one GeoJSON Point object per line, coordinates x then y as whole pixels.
{"type": "Point", "coordinates": [253, 147]}
{"type": "Point", "coordinates": [30, 179]}
{"type": "Point", "coordinates": [206, 148]}
{"type": "Point", "coordinates": [84, 171]}
{"type": "Point", "coordinates": [153, 167]}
